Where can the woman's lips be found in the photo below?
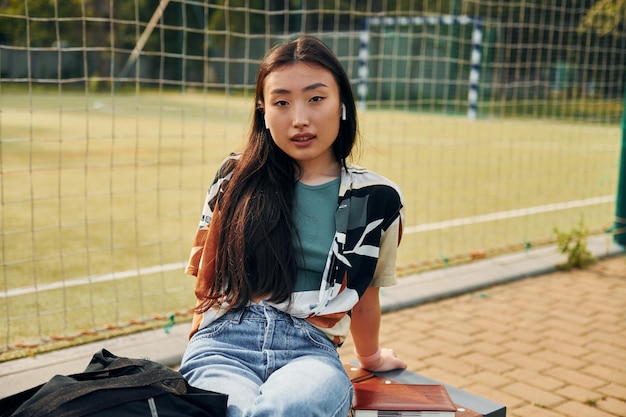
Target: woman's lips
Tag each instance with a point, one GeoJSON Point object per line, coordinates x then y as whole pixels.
{"type": "Point", "coordinates": [302, 139]}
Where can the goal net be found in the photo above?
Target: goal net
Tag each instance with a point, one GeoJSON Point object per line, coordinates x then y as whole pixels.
{"type": "Point", "coordinates": [500, 121]}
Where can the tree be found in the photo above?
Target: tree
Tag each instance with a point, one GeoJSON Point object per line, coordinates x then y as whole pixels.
{"type": "Point", "coordinates": [43, 23]}
{"type": "Point", "coordinates": [605, 17]}
{"type": "Point", "coordinates": [18, 28]}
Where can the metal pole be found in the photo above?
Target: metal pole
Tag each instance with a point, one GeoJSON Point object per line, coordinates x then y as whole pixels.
{"type": "Point", "coordinates": [455, 10]}
{"type": "Point", "coordinates": [620, 206]}
{"type": "Point", "coordinates": [143, 38]}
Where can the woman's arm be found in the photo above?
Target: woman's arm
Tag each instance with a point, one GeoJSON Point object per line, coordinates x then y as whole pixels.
{"type": "Point", "coordinates": [364, 327]}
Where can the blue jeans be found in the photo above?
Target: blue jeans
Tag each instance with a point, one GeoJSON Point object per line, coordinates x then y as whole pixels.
{"type": "Point", "coordinates": [270, 364]}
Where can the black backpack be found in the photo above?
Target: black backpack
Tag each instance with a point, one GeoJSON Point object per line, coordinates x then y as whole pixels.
{"type": "Point", "coordinates": [115, 386]}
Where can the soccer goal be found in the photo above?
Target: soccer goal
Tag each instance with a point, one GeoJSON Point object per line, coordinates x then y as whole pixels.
{"type": "Point", "coordinates": [408, 71]}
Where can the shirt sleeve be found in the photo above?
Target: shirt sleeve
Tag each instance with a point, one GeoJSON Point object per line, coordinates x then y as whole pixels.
{"type": "Point", "coordinates": [385, 273]}
{"type": "Point", "coordinates": [223, 174]}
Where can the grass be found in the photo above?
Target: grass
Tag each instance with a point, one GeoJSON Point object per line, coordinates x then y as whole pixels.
{"type": "Point", "coordinates": [587, 109]}
{"type": "Point", "coordinates": [103, 184]}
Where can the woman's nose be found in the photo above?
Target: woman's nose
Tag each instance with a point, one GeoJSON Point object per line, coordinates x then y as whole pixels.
{"type": "Point", "coordinates": [300, 116]}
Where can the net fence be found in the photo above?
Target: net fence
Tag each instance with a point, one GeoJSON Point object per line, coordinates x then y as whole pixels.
{"type": "Point", "coordinates": [499, 120]}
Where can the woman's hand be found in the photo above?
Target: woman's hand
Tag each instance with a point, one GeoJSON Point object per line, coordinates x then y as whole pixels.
{"type": "Point", "coordinates": [383, 360]}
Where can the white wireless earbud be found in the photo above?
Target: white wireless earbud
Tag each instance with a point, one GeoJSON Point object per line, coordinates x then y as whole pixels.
{"type": "Point", "coordinates": [265, 120]}
{"type": "Point", "coordinates": [343, 111]}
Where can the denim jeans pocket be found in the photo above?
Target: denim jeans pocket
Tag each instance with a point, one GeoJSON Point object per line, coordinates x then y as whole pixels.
{"type": "Point", "coordinates": [317, 337]}
{"type": "Point", "coordinates": [212, 330]}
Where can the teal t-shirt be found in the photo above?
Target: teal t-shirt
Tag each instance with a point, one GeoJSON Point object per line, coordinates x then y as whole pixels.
{"type": "Point", "coordinates": [314, 215]}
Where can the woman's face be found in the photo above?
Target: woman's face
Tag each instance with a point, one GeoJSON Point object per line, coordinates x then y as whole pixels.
{"type": "Point", "coordinates": [303, 110]}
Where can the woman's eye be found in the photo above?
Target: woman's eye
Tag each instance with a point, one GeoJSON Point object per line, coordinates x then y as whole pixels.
{"type": "Point", "coordinates": [281, 103]}
{"type": "Point", "coordinates": [317, 98]}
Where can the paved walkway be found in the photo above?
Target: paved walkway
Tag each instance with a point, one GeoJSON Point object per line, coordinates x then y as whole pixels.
{"type": "Point", "coordinates": [510, 329]}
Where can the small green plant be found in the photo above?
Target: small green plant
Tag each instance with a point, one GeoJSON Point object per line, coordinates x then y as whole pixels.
{"type": "Point", "coordinates": [574, 245]}
{"type": "Point", "coordinates": [592, 402]}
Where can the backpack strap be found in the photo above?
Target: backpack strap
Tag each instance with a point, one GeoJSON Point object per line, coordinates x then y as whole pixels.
{"type": "Point", "coordinates": [63, 390]}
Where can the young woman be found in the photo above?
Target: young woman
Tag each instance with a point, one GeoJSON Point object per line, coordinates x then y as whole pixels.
{"type": "Point", "coordinates": [292, 248]}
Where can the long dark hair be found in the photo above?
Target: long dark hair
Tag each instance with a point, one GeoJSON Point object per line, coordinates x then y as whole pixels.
{"type": "Point", "coordinates": [256, 255]}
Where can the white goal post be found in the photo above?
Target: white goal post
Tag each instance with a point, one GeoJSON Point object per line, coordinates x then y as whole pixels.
{"type": "Point", "coordinates": [477, 36]}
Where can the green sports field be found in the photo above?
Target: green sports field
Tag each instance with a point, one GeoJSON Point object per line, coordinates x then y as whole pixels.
{"type": "Point", "coordinates": [101, 195]}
